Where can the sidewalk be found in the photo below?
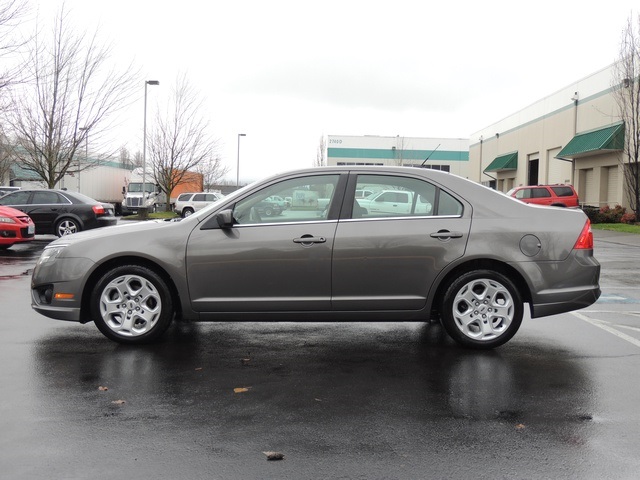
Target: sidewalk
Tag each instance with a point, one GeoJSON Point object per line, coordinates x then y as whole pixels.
{"type": "Point", "coordinates": [629, 239]}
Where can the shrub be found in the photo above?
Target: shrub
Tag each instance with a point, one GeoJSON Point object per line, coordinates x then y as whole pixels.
{"type": "Point", "coordinates": [606, 214]}
{"type": "Point", "coordinates": [611, 215]}
{"type": "Point", "coordinates": [592, 212]}
{"type": "Point", "coordinates": [629, 218]}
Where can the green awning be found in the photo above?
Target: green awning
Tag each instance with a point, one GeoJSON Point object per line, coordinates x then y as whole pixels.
{"type": "Point", "coordinates": [595, 142]}
{"type": "Point", "coordinates": [508, 161]}
{"type": "Point", "coordinates": [18, 172]}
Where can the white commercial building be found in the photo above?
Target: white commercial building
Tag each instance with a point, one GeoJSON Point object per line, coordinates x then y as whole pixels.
{"type": "Point", "coordinates": [574, 136]}
{"type": "Point", "coordinates": [447, 154]}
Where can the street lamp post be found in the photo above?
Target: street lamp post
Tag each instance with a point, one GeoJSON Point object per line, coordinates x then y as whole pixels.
{"type": "Point", "coordinates": [238, 166]}
{"type": "Point", "coordinates": [143, 207]}
{"type": "Point", "coordinates": [86, 151]}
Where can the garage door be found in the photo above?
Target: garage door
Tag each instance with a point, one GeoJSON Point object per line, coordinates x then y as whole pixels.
{"type": "Point", "coordinates": [559, 170]}
{"type": "Point", "coordinates": [591, 192]}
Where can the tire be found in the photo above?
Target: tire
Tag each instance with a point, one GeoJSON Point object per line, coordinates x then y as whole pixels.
{"type": "Point", "coordinates": [482, 309]}
{"type": "Point", "coordinates": [132, 304]}
{"type": "Point", "coordinates": [186, 212]}
{"type": "Point", "coordinates": [67, 226]}
{"type": "Point", "coordinates": [268, 211]}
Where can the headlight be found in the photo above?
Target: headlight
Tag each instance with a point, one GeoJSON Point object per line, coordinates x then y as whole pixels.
{"type": "Point", "coordinates": [50, 254]}
{"type": "Point", "coordinates": [7, 220]}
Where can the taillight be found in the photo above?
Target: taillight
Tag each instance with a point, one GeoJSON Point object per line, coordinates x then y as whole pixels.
{"type": "Point", "coordinates": [585, 240]}
{"type": "Point", "coordinates": [98, 209]}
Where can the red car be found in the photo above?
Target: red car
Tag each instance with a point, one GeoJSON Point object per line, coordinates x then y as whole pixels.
{"type": "Point", "coordinates": [552, 195]}
{"type": "Point", "coordinates": [15, 227]}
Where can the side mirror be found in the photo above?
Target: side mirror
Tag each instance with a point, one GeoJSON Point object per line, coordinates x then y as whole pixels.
{"type": "Point", "coordinates": [225, 218]}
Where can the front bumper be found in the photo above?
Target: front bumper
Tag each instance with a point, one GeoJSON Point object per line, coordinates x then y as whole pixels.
{"type": "Point", "coordinates": [57, 288]}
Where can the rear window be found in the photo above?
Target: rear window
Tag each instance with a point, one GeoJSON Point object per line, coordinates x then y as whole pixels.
{"type": "Point", "coordinates": [563, 191]}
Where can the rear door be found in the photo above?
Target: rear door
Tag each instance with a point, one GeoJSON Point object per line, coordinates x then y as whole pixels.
{"type": "Point", "coordinates": [383, 262]}
{"type": "Point", "coordinates": [200, 201]}
{"type": "Point", "coordinates": [542, 196]}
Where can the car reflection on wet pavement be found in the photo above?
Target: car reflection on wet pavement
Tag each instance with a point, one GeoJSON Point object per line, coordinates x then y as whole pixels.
{"type": "Point", "coordinates": [353, 400]}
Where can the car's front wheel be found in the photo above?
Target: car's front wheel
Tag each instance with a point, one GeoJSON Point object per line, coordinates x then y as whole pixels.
{"type": "Point", "coordinates": [132, 304]}
{"type": "Point", "coordinates": [482, 309]}
{"type": "Point", "coordinates": [67, 226]}
{"type": "Point", "coordinates": [186, 212]}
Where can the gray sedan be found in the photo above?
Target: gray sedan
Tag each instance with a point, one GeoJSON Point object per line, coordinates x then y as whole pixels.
{"type": "Point", "coordinates": [474, 261]}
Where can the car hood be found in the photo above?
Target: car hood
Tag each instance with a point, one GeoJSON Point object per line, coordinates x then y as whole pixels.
{"type": "Point", "coordinates": [11, 212]}
{"type": "Point", "coordinates": [116, 233]}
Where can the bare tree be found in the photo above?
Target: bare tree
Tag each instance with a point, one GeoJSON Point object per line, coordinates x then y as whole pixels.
{"type": "Point", "coordinates": [71, 92]}
{"type": "Point", "coordinates": [125, 158]}
{"type": "Point", "coordinates": [5, 160]}
{"type": "Point", "coordinates": [398, 151]}
{"type": "Point", "coordinates": [212, 171]}
{"type": "Point", "coordinates": [321, 153]}
{"type": "Point", "coordinates": [627, 94]}
{"type": "Point", "coordinates": [11, 13]}
{"type": "Point", "coordinates": [180, 142]}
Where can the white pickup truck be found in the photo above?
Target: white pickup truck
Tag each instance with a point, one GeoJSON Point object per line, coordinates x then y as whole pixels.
{"type": "Point", "coordinates": [395, 202]}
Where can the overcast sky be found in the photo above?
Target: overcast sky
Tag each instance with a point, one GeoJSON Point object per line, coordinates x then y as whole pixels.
{"type": "Point", "coordinates": [287, 72]}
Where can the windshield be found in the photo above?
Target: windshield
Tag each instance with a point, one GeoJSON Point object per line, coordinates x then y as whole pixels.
{"type": "Point", "coordinates": [136, 187]}
{"type": "Point", "coordinates": [204, 212]}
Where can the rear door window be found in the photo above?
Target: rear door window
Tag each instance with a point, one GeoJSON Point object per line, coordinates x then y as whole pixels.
{"type": "Point", "coordinates": [402, 197]}
{"type": "Point", "coordinates": [540, 193]}
{"type": "Point", "coordinates": [46, 198]}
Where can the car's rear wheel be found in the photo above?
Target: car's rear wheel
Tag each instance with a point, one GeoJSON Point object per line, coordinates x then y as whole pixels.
{"type": "Point", "coordinates": [268, 211]}
{"type": "Point", "coordinates": [67, 226]}
{"type": "Point", "coordinates": [482, 309]}
{"type": "Point", "coordinates": [132, 304]}
{"type": "Point", "coordinates": [186, 212]}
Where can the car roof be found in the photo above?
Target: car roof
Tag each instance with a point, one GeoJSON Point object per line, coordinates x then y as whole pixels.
{"type": "Point", "coordinates": [80, 197]}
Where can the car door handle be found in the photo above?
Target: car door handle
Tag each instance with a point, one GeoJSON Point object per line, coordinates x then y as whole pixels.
{"type": "Point", "coordinates": [309, 239]}
{"type": "Point", "coordinates": [445, 234]}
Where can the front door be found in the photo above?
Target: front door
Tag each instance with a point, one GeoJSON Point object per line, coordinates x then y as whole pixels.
{"type": "Point", "coordinates": [276, 263]}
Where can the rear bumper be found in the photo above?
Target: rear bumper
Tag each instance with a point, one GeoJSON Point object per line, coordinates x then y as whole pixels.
{"type": "Point", "coordinates": [107, 221]}
{"type": "Point", "coordinates": [553, 303]}
{"type": "Point", "coordinates": [559, 287]}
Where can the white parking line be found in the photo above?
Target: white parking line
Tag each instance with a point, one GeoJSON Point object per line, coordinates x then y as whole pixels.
{"type": "Point", "coordinates": [606, 328]}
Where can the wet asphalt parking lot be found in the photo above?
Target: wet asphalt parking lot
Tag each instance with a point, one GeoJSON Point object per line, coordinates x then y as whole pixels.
{"type": "Point", "coordinates": [348, 401]}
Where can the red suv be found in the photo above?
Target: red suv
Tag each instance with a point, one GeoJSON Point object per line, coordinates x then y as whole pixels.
{"type": "Point", "coordinates": [552, 195]}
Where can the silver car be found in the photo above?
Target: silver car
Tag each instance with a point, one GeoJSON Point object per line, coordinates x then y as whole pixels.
{"type": "Point", "coordinates": [188, 203]}
{"type": "Point", "coordinates": [473, 261]}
